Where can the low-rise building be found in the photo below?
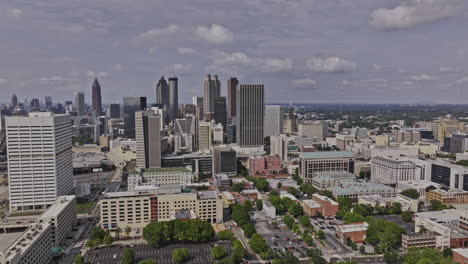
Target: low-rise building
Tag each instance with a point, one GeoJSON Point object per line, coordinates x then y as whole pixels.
{"type": "Point", "coordinates": [325, 161]}
{"type": "Point", "coordinates": [419, 185]}
{"type": "Point", "coordinates": [269, 209]}
{"type": "Point", "coordinates": [355, 189]}
{"type": "Point", "coordinates": [460, 255]}
{"type": "Point", "coordinates": [228, 199]}
{"type": "Point", "coordinates": [324, 181]}
{"type": "Point", "coordinates": [264, 164]}
{"type": "Point", "coordinates": [222, 180]}
{"type": "Point", "coordinates": [411, 240]}
{"type": "Point", "coordinates": [160, 176]}
{"type": "Point", "coordinates": [357, 232]}
{"type": "Point", "coordinates": [447, 196]}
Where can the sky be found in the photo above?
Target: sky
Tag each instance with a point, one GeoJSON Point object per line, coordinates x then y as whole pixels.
{"type": "Point", "coordinates": [303, 51]}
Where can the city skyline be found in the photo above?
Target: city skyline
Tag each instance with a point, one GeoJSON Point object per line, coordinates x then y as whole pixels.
{"type": "Point", "coordinates": [390, 51]}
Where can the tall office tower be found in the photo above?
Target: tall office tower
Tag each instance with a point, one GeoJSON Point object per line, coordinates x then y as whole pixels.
{"type": "Point", "coordinates": [187, 109]}
{"type": "Point", "coordinates": [224, 161]}
{"type": "Point", "coordinates": [80, 103]}
{"type": "Point", "coordinates": [114, 111]}
{"type": "Point", "coordinates": [274, 120]}
{"type": "Point", "coordinates": [97, 101]}
{"type": "Point", "coordinates": [211, 90]}
{"type": "Point", "coordinates": [39, 159]}
{"type": "Point", "coordinates": [218, 134]}
{"type": "Point", "coordinates": [173, 99]}
{"type": "Point", "coordinates": [185, 128]}
{"type": "Point", "coordinates": [14, 101]}
{"type": "Point", "coordinates": [250, 115]}
{"type": "Point", "coordinates": [34, 105]}
{"type": "Point", "coordinates": [232, 84]}
{"type": "Point", "coordinates": [204, 135]}
{"type": "Point", "coordinates": [131, 105]}
{"type": "Point", "coordinates": [220, 115]}
{"type": "Point", "coordinates": [148, 139]}
{"type": "Point", "coordinates": [198, 102]}
{"type": "Point", "coordinates": [162, 93]}
{"type": "Point", "coordinates": [48, 101]}
{"type": "Point", "coordinates": [231, 134]}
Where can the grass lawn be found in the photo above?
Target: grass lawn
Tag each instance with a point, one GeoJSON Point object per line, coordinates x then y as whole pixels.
{"type": "Point", "coordinates": [84, 208]}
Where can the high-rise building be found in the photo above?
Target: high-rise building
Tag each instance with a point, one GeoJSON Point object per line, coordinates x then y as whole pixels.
{"type": "Point", "coordinates": [232, 84]}
{"type": "Point", "coordinates": [250, 115]}
{"type": "Point", "coordinates": [48, 101]}
{"type": "Point", "coordinates": [131, 105]}
{"type": "Point", "coordinates": [162, 93]}
{"type": "Point", "coordinates": [274, 120]}
{"type": "Point", "coordinates": [114, 111]}
{"type": "Point", "coordinates": [96, 93]}
{"type": "Point", "coordinates": [39, 159]}
{"type": "Point", "coordinates": [14, 101]}
{"type": "Point", "coordinates": [80, 103]}
{"type": "Point", "coordinates": [224, 161]}
{"type": "Point", "coordinates": [317, 129]}
{"type": "Point", "coordinates": [231, 134]}
{"type": "Point", "coordinates": [218, 134]}
{"type": "Point", "coordinates": [211, 90]}
{"type": "Point", "coordinates": [148, 139]}
{"type": "Point", "coordinates": [220, 114]}
{"type": "Point", "coordinates": [34, 105]}
{"type": "Point", "coordinates": [198, 102]}
{"type": "Point", "coordinates": [173, 99]}
{"type": "Point", "coordinates": [204, 135]}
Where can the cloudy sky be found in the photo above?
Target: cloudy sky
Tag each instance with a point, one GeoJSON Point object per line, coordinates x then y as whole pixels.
{"type": "Point", "coordinates": [304, 51]}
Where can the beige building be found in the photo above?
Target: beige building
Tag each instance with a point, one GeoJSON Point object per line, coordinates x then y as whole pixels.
{"type": "Point", "coordinates": [382, 140]}
{"type": "Point", "coordinates": [160, 176]}
{"type": "Point", "coordinates": [204, 135]}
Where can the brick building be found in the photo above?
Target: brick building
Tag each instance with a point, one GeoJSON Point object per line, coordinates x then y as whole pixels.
{"type": "Point", "coordinates": [357, 232]}
{"type": "Point", "coordinates": [264, 165]}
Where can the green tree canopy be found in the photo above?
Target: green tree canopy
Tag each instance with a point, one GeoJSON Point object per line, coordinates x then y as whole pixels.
{"type": "Point", "coordinates": [257, 243]}
{"type": "Point", "coordinates": [217, 252]}
{"type": "Point", "coordinates": [296, 210]}
{"type": "Point", "coordinates": [79, 259]}
{"type": "Point", "coordinates": [411, 193]}
{"type": "Point", "coordinates": [294, 191]}
{"type": "Point", "coordinates": [147, 261]}
{"type": "Point", "coordinates": [97, 232]}
{"type": "Point", "coordinates": [383, 232]}
{"type": "Point", "coordinates": [128, 256]}
{"type": "Point", "coordinates": [225, 235]}
{"type": "Point", "coordinates": [248, 205]}
{"type": "Point", "coordinates": [237, 187]}
{"type": "Point", "coordinates": [425, 256]}
{"type": "Point", "coordinates": [161, 233]}
{"type": "Point", "coordinates": [259, 205]}
{"type": "Point", "coordinates": [304, 221]}
{"type": "Point", "coordinates": [108, 239]}
{"type": "Point", "coordinates": [249, 230]}
{"type": "Point", "coordinates": [180, 255]}
{"type": "Point", "coordinates": [352, 217]}
{"type": "Point", "coordinates": [307, 188]}
{"type": "Point", "coordinates": [288, 221]}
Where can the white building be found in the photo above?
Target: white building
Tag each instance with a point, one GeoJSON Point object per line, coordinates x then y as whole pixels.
{"type": "Point", "coordinates": [273, 123]}
{"type": "Point", "coordinates": [279, 146]}
{"type": "Point", "coordinates": [392, 170]}
{"type": "Point", "coordinates": [183, 143]}
{"type": "Point", "coordinates": [39, 159]}
{"type": "Point", "coordinates": [269, 209]}
{"type": "Point", "coordinates": [314, 130]}
{"type": "Point", "coordinates": [218, 134]}
{"type": "Point", "coordinates": [394, 152]}
{"type": "Point", "coordinates": [160, 176]}
{"type": "Point", "coordinates": [419, 186]}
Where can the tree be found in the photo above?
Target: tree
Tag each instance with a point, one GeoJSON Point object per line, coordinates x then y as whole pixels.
{"type": "Point", "coordinates": [79, 259]}
{"type": "Point", "coordinates": [249, 230]}
{"type": "Point", "coordinates": [304, 221]}
{"type": "Point", "coordinates": [345, 203]}
{"type": "Point", "coordinates": [237, 187]}
{"type": "Point", "coordinates": [352, 217]}
{"type": "Point", "coordinates": [268, 254]}
{"type": "Point", "coordinates": [217, 252]}
{"type": "Point", "coordinates": [396, 208]}
{"type": "Point", "coordinates": [294, 191]}
{"type": "Point", "coordinates": [248, 205]}
{"type": "Point", "coordinates": [108, 239]}
{"type": "Point", "coordinates": [274, 193]}
{"type": "Point", "coordinates": [262, 185]}
{"type": "Point", "coordinates": [97, 242]}
{"type": "Point", "coordinates": [392, 257]}
{"type": "Point", "coordinates": [447, 252]}
{"type": "Point", "coordinates": [97, 232]}
{"type": "Point", "coordinates": [362, 249]}
{"type": "Point", "coordinates": [89, 243]}
{"type": "Point", "coordinates": [225, 235]}
{"type": "Point", "coordinates": [147, 261]}
{"type": "Point", "coordinates": [383, 232]}
{"type": "Point", "coordinates": [288, 221]}
{"type": "Point", "coordinates": [320, 234]}
{"type": "Point", "coordinates": [279, 185]}
{"type": "Point", "coordinates": [411, 193]}
{"type": "Point", "coordinates": [438, 205]}
{"type": "Point", "coordinates": [128, 230]}
{"type": "Point", "coordinates": [180, 255]}
{"type": "Point", "coordinates": [128, 256]}
{"type": "Point", "coordinates": [161, 233]}
{"type": "Point", "coordinates": [259, 205]}
{"type": "Point", "coordinates": [296, 210]}
{"type": "Point", "coordinates": [425, 256]}
{"type": "Point", "coordinates": [407, 217]}
{"type": "Point", "coordinates": [117, 232]}
{"type": "Point", "coordinates": [257, 243]}
{"type": "Point", "coordinates": [328, 194]}
{"type": "Point", "coordinates": [307, 188]}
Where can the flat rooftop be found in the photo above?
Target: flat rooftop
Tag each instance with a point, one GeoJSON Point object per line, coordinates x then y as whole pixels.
{"type": "Point", "coordinates": [58, 206]}
{"type": "Point", "coordinates": [311, 203]}
{"type": "Point", "coordinates": [7, 239]}
{"type": "Point", "coordinates": [461, 251]}
{"type": "Point", "coordinates": [324, 198]}
{"type": "Point", "coordinates": [327, 155]}
{"type": "Point", "coordinates": [168, 169]}
{"type": "Point", "coordinates": [441, 216]}
{"type": "Point", "coordinates": [206, 195]}
{"type": "Point", "coordinates": [352, 227]}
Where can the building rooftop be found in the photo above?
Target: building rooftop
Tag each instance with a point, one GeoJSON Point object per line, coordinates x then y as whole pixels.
{"type": "Point", "coordinates": [324, 198]}
{"type": "Point", "coordinates": [327, 155]}
{"type": "Point", "coordinates": [228, 195]}
{"type": "Point", "coordinates": [207, 195]}
{"type": "Point", "coordinates": [8, 239]}
{"type": "Point", "coordinates": [461, 251]}
{"type": "Point", "coordinates": [446, 215]}
{"type": "Point", "coordinates": [374, 198]}
{"type": "Point", "coordinates": [110, 195]}
{"type": "Point", "coordinates": [18, 244]}
{"type": "Point", "coordinates": [58, 206]}
{"type": "Point", "coordinates": [288, 195]}
{"type": "Point", "coordinates": [169, 169]}
{"type": "Point", "coordinates": [358, 187]}
{"type": "Point", "coordinates": [356, 227]}
{"type": "Point", "coordinates": [311, 203]}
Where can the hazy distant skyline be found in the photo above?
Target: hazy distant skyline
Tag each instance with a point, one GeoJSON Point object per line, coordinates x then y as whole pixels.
{"type": "Point", "coordinates": [304, 51]}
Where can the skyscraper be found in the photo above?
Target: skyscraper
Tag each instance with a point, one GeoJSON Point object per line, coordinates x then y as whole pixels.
{"type": "Point", "coordinates": [148, 139]}
{"type": "Point", "coordinates": [274, 120]}
{"type": "Point", "coordinates": [34, 105]}
{"type": "Point", "coordinates": [250, 115]}
{"type": "Point", "coordinates": [211, 90]}
{"type": "Point", "coordinates": [131, 105]}
{"type": "Point", "coordinates": [204, 135]}
{"type": "Point", "coordinates": [220, 115]}
{"type": "Point", "coordinates": [39, 159]}
{"type": "Point", "coordinates": [114, 111]}
{"type": "Point", "coordinates": [80, 103]}
{"type": "Point", "coordinates": [232, 84]}
{"type": "Point", "coordinates": [198, 102]}
{"type": "Point", "coordinates": [173, 109]}
{"type": "Point", "coordinates": [14, 101]}
{"type": "Point", "coordinates": [97, 101]}
{"type": "Point", "coordinates": [48, 101]}
{"type": "Point", "coordinates": [162, 93]}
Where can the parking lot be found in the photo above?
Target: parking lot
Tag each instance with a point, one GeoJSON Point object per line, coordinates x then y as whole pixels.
{"type": "Point", "coordinates": [409, 227]}
{"type": "Point", "coordinates": [199, 253]}
{"type": "Point", "coordinates": [281, 239]}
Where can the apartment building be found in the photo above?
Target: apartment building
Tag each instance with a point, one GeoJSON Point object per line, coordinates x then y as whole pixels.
{"type": "Point", "coordinates": [160, 176]}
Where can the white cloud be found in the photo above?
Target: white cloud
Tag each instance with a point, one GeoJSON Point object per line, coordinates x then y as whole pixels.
{"type": "Point", "coordinates": [227, 61]}
{"type": "Point", "coordinates": [330, 65]}
{"type": "Point", "coordinates": [216, 34]}
{"type": "Point", "coordinates": [304, 82]}
{"type": "Point", "coordinates": [414, 12]}
{"type": "Point", "coordinates": [117, 67]}
{"type": "Point", "coordinates": [14, 12]}
{"type": "Point", "coordinates": [179, 68]}
{"type": "Point", "coordinates": [447, 69]}
{"type": "Point", "coordinates": [376, 68]}
{"type": "Point", "coordinates": [3, 80]}
{"type": "Point", "coordinates": [98, 74]}
{"type": "Point", "coordinates": [184, 51]}
{"type": "Point", "coordinates": [52, 79]}
{"type": "Point", "coordinates": [423, 77]}
{"type": "Point", "coordinates": [462, 81]}
{"type": "Point", "coordinates": [158, 33]}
